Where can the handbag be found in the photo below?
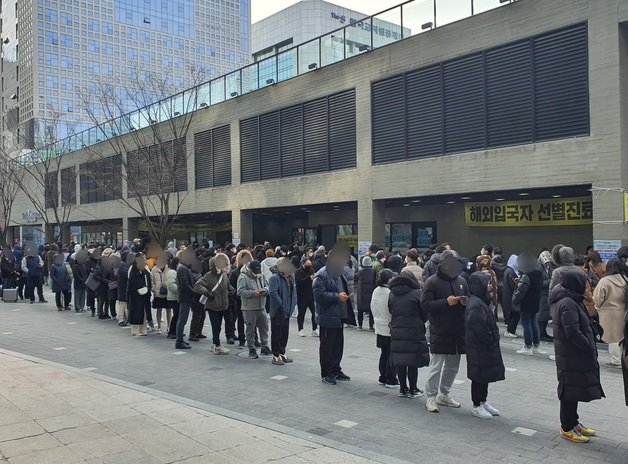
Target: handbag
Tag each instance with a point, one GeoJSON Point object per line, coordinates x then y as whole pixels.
{"type": "Point", "coordinates": [163, 290]}
{"type": "Point", "coordinates": [210, 296]}
{"type": "Point", "coordinates": [91, 282]}
{"type": "Point", "coordinates": [144, 290]}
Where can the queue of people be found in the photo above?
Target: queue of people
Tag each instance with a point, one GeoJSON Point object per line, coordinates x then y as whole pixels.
{"type": "Point", "coordinates": [427, 310]}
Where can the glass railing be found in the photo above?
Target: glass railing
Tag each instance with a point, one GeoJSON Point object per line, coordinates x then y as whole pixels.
{"type": "Point", "coordinates": [357, 37]}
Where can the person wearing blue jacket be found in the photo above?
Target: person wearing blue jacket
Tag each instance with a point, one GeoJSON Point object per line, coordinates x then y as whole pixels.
{"type": "Point", "coordinates": [282, 292]}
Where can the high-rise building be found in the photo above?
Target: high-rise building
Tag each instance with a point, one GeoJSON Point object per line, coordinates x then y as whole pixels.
{"type": "Point", "coordinates": [56, 53]}
{"type": "Point", "coordinates": [309, 19]}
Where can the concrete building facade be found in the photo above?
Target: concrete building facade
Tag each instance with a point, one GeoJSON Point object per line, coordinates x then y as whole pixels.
{"type": "Point", "coordinates": [385, 181]}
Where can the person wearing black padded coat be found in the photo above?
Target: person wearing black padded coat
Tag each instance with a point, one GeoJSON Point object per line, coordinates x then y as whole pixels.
{"type": "Point", "coordinates": [444, 296]}
{"type": "Point", "coordinates": [577, 366]}
{"type": "Point", "coordinates": [408, 345]}
{"type": "Point", "coordinates": [484, 356]}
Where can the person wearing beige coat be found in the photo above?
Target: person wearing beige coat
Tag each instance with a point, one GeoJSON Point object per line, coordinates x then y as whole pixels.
{"type": "Point", "coordinates": [610, 300]}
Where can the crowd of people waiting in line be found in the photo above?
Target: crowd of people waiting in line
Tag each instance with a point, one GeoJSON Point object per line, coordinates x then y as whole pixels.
{"type": "Point", "coordinates": [426, 309]}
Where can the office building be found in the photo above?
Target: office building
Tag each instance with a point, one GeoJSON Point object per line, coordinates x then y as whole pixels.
{"type": "Point", "coordinates": [507, 127]}
{"type": "Point", "coordinates": [312, 19]}
{"type": "Point", "coordinates": [56, 55]}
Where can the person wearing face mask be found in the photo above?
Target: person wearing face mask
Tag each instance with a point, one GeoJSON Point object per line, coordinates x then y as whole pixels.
{"type": "Point", "coordinates": [484, 357]}
{"type": "Point", "coordinates": [216, 288]}
{"type": "Point", "coordinates": [252, 289]}
{"type": "Point", "coordinates": [138, 291]}
{"type": "Point", "coordinates": [334, 309]}
{"type": "Point", "coordinates": [445, 297]}
{"type": "Point", "coordinates": [305, 297]}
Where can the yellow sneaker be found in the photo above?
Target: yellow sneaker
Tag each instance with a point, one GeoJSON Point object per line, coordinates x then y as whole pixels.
{"type": "Point", "coordinates": [574, 435]}
{"type": "Point", "coordinates": [587, 432]}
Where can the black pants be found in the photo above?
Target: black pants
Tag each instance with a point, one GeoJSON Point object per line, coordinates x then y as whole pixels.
{"type": "Point", "coordinates": [240, 322]}
{"type": "Point", "coordinates": [409, 374]}
{"type": "Point", "coordinates": [91, 299]}
{"type": "Point", "coordinates": [231, 317]}
{"type": "Point", "coordinates": [103, 306]}
{"type": "Point", "coordinates": [112, 308]}
{"type": "Point", "coordinates": [330, 350]}
{"type": "Point", "coordinates": [172, 330]}
{"type": "Point", "coordinates": [513, 321]}
{"type": "Point", "coordinates": [216, 317]}
{"type": "Point", "coordinates": [387, 373]}
{"type": "Point", "coordinates": [279, 329]}
{"type": "Point", "coordinates": [479, 393]}
{"type": "Point", "coordinates": [568, 414]}
{"type": "Point", "coordinates": [33, 283]}
{"type": "Point", "coordinates": [20, 288]}
{"type": "Point", "coordinates": [67, 298]}
{"type": "Point", "coordinates": [303, 306]}
{"type": "Point", "coordinates": [361, 319]}
{"type": "Point", "coordinates": [198, 320]}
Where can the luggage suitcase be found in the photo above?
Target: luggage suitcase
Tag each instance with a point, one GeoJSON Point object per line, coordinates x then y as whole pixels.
{"type": "Point", "coordinates": [9, 295]}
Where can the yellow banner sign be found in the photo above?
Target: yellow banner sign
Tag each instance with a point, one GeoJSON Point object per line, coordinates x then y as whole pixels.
{"type": "Point", "coordinates": [530, 213]}
{"type": "Point", "coordinates": [625, 206]}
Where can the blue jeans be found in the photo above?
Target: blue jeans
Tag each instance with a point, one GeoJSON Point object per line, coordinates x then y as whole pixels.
{"type": "Point", "coordinates": [531, 334]}
{"type": "Point", "coordinates": [184, 312]}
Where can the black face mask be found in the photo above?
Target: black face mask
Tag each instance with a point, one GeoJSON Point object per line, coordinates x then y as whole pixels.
{"type": "Point", "coordinates": [451, 268]}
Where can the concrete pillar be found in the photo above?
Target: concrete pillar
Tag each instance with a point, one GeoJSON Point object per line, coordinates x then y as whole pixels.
{"type": "Point", "coordinates": [242, 226]}
{"type": "Point", "coordinates": [130, 229]}
{"type": "Point", "coordinates": [371, 221]}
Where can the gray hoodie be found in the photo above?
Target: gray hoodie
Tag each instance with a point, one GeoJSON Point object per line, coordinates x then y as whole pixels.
{"type": "Point", "coordinates": [563, 257]}
{"type": "Point", "coordinates": [248, 284]}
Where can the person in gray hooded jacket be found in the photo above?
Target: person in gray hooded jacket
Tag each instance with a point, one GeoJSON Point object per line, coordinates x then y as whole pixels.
{"type": "Point", "coordinates": [563, 257]}
{"type": "Point", "coordinates": [252, 290]}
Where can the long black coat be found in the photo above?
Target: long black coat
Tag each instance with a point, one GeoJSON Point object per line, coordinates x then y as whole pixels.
{"type": "Point", "coordinates": [138, 303]}
{"type": "Point", "coordinates": [576, 353]}
{"type": "Point", "coordinates": [447, 323]}
{"type": "Point", "coordinates": [408, 345]}
{"type": "Point", "coordinates": [484, 356]}
{"type": "Point", "coordinates": [367, 282]}
{"type": "Point", "coordinates": [509, 287]}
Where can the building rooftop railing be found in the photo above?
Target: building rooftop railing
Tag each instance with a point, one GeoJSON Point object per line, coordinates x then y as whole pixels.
{"type": "Point", "coordinates": [356, 37]}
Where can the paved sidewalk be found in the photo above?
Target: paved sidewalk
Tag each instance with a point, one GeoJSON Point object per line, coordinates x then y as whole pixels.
{"type": "Point", "coordinates": [53, 415]}
{"type": "Point", "coordinates": [359, 417]}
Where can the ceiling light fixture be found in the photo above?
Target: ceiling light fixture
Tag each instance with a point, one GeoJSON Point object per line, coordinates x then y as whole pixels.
{"type": "Point", "coordinates": [524, 194]}
{"type": "Point", "coordinates": [500, 199]}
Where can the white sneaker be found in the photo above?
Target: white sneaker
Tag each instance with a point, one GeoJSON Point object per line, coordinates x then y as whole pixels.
{"type": "Point", "coordinates": [446, 400]}
{"type": "Point", "coordinates": [315, 333]}
{"type": "Point", "coordinates": [510, 335]}
{"type": "Point", "coordinates": [552, 357]}
{"type": "Point", "coordinates": [492, 410]}
{"type": "Point", "coordinates": [527, 351]}
{"type": "Point", "coordinates": [431, 405]}
{"type": "Point", "coordinates": [301, 333]}
{"type": "Point", "coordinates": [219, 350]}
{"type": "Point", "coordinates": [538, 350]}
{"type": "Point", "coordinates": [481, 413]}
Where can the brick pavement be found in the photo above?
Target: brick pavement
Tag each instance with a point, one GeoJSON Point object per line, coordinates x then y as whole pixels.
{"type": "Point", "coordinates": [359, 415]}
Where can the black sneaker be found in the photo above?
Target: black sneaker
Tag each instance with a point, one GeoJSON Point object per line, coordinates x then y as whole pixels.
{"type": "Point", "coordinates": [403, 393]}
{"type": "Point", "coordinates": [253, 354]}
{"type": "Point", "coordinates": [266, 351]}
{"type": "Point", "coordinates": [183, 346]}
{"type": "Point", "coordinates": [230, 341]}
{"type": "Point", "coordinates": [329, 380]}
{"type": "Point", "coordinates": [258, 344]}
{"type": "Point", "coordinates": [415, 393]}
{"type": "Point", "coordinates": [342, 376]}
{"type": "Point", "coordinates": [241, 345]}
{"type": "Point", "coordinates": [171, 337]}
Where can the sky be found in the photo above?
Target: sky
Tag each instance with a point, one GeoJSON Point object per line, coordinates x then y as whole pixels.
{"type": "Point", "coordinates": [262, 8]}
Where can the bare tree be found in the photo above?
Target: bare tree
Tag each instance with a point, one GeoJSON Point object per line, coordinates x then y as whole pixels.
{"type": "Point", "coordinates": [9, 189]}
{"type": "Point", "coordinates": [143, 163]}
{"type": "Point", "coordinates": [36, 173]}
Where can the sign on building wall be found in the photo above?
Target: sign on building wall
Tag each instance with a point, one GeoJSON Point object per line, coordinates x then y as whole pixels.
{"type": "Point", "coordinates": [530, 213]}
{"type": "Point", "coordinates": [607, 248]}
{"type": "Point", "coordinates": [625, 206]}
